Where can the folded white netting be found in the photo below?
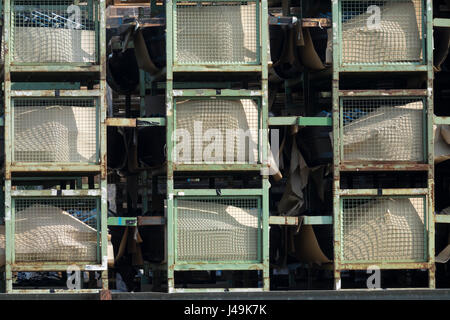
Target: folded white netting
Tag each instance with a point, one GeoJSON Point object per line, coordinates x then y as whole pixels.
{"type": "Point", "coordinates": [198, 121]}
{"type": "Point", "coordinates": [55, 134]}
{"type": "Point", "coordinates": [386, 133]}
{"type": "Point", "coordinates": [389, 229]}
{"type": "Point", "coordinates": [50, 234]}
{"type": "Point", "coordinates": [396, 38]}
{"type": "Point", "coordinates": [214, 231]}
{"type": "Point", "coordinates": [45, 44]}
{"type": "Point", "coordinates": [221, 33]}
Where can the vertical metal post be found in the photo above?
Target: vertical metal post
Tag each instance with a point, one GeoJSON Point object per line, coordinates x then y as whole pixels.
{"type": "Point", "coordinates": [336, 145]}
{"type": "Point", "coordinates": [428, 51]}
{"type": "Point", "coordinates": [169, 136]}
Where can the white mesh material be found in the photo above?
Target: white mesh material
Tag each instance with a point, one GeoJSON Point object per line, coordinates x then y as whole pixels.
{"type": "Point", "coordinates": [49, 233]}
{"type": "Point", "coordinates": [54, 133]}
{"type": "Point", "coordinates": [381, 132]}
{"type": "Point", "coordinates": [395, 39]}
{"type": "Point", "coordinates": [221, 33]}
{"type": "Point", "coordinates": [43, 45]}
{"type": "Point", "coordinates": [217, 230]}
{"type": "Point", "coordinates": [53, 31]}
{"type": "Point", "coordinates": [195, 120]}
{"type": "Point", "coordinates": [383, 230]}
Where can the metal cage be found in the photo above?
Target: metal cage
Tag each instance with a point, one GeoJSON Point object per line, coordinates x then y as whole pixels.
{"type": "Point", "coordinates": [54, 31]}
{"type": "Point", "coordinates": [56, 230]}
{"type": "Point", "coordinates": [382, 32]}
{"type": "Point", "coordinates": [216, 32]}
{"type": "Point", "coordinates": [375, 129]}
{"type": "Point", "coordinates": [383, 229]}
{"type": "Point", "coordinates": [217, 130]}
{"type": "Point", "coordinates": [218, 230]}
{"type": "Point", "coordinates": [55, 130]}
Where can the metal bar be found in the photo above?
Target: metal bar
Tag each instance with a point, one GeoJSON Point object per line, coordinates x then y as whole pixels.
{"type": "Point", "coordinates": [54, 167]}
{"type": "Point", "coordinates": [442, 218]}
{"type": "Point", "coordinates": [383, 93]}
{"type": "Point", "coordinates": [385, 265]}
{"type": "Point", "coordinates": [192, 266]}
{"type": "Point", "coordinates": [286, 221]}
{"type": "Point", "coordinates": [216, 93]}
{"type": "Point", "coordinates": [66, 67]}
{"type": "Point", "coordinates": [218, 192]}
{"type": "Point", "coordinates": [383, 166]}
{"type": "Point", "coordinates": [151, 221]}
{"type": "Point", "coordinates": [54, 291]}
{"type": "Point", "coordinates": [56, 193]}
{"type": "Point", "coordinates": [135, 122]}
{"type": "Point", "coordinates": [212, 290]}
{"type": "Point", "coordinates": [301, 121]}
{"type": "Point", "coordinates": [397, 67]}
{"type": "Point", "coordinates": [217, 68]}
{"type": "Point", "coordinates": [317, 220]}
{"type": "Point", "coordinates": [441, 120]}
{"type": "Point", "coordinates": [383, 192]}
{"type": "Point", "coordinates": [56, 93]}
{"type": "Point", "coordinates": [122, 221]}
{"type": "Point", "coordinates": [441, 22]}
{"type": "Point", "coordinates": [218, 167]}
{"type": "Point", "coordinates": [55, 266]}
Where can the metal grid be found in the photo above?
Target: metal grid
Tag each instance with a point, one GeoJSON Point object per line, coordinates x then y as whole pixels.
{"type": "Point", "coordinates": [216, 230]}
{"type": "Point", "coordinates": [378, 129]}
{"type": "Point", "coordinates": [55, 130]}
{"type": "Point", "coordinates": [216, 32]}
{"type": "Point", "coordinates": [54, 31]}
{"type": "Point", "coordinates": [217, 131]}
{"type": "Point", "coordinates": [393, 38]}
{"type": "Point", "coordinates": [56, 230]}
{"type": "Point", "coordinates": [383, 229]}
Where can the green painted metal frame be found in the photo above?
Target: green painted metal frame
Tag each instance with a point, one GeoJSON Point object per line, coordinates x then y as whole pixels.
{"type": "Point", "coordinates": [172, 193]}
{"type": "Point", "coordinates": [97, 7]}
{"type": "Point", "coordinates": [257, 66]}
{"type": "Point", "coordinates": [381, 67]}
{"type": "Point", "coordinates": [48, 90]}
{"type": "Point", "coordinates": [338, 193]}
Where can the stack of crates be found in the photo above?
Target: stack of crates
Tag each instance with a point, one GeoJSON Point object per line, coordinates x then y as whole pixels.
{"type": "Point", "coordinates": [55, 138]}
{"type": "Point", "coordinates": [383, 130]}
{"type": "Point", "coordinates": [217, 229]}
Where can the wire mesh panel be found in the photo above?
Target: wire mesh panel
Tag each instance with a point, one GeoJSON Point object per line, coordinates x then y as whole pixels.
{"type": "Point", "coordinates": [55, 130]}
{"type": "Point", "coordinates": [381, 31]}
{"type": "Point", "coordinates": [54, 31]}
{"type": "Point", "coordinates": [56, 230]}
{"type": "Point", "coordinates": [383, 229]}
{"type": "Point", "coordinates": [217, 131]}
{"type": "Point", "coordinates": [217, 229]}
{"type": "Point", "coordinates": [216, 32]}
{"type": "Point", "coordinates": [383, 129]}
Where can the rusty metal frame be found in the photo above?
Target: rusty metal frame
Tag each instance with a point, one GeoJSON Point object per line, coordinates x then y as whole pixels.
{"type": "Point", "coordinates": [427, 166]}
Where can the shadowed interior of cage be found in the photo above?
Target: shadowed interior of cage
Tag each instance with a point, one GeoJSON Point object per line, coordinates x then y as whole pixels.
{"type": "Point", "coordinates": [217, 131]}
{"type": "Point", "coordinates": [53, 31]}
{"type": "Point", "coordinates": [383, 229]}
{"type": "Point", "coordinates": [54, 230]}
{"type": "Point", "coordinates": [217, 230]}
{"type": "Point", "coordinates": [396, 37]}
{"type": "Point", "coordinates": [55, 130]}
{"type": "Point", "coordinates": [216, 32]}
{"type": "Point", "coordinates": [383, 129]}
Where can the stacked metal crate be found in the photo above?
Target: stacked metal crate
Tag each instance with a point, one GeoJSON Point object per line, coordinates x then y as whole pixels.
{"type": "Point", "coordinates": [55, 131]}
{"type": "Point", "coordinates": [383, 130]}
{"type": "Point", "coordinates": [211, 229]}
